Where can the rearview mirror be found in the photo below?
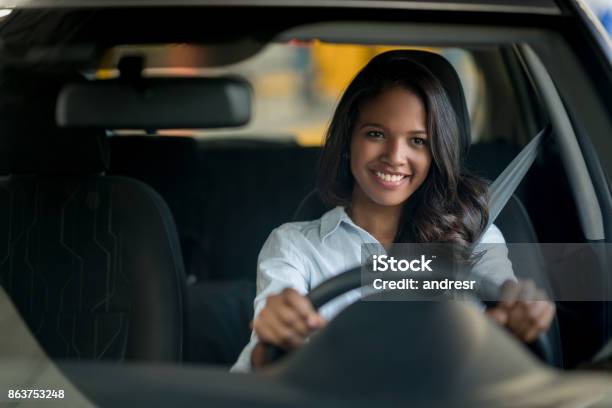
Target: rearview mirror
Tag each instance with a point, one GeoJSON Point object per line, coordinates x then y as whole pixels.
{"type": "Point", "coordinates": [160, 103]}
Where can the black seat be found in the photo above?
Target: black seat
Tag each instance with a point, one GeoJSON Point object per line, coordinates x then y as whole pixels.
{"type": "Point", "coordinates": [219, 220]}
{"type": "Point", "coordinates": [92, 262]}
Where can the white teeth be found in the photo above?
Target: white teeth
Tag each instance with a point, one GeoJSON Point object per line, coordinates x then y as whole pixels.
{"type": "Point", "coordinates": [389, 177]}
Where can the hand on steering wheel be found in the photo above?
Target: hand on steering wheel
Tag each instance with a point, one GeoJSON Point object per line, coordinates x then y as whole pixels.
{"type": "Point", "coordinates": [287, 319]}
{"type": "Point", "coordinates": [524, 309]}
{"type": "Point", "coordinates": [352, 279]}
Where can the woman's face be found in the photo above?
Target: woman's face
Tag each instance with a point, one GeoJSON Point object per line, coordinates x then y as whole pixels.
{"type": "Point", "coordinates": [390, 152]}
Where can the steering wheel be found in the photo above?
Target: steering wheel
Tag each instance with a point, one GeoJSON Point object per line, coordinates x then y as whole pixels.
{"type": "Point", "coordinates": [352, 279]}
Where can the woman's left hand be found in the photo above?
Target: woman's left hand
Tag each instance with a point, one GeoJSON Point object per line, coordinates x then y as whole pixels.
{"type": "Point", "coordinates": [523, 309]}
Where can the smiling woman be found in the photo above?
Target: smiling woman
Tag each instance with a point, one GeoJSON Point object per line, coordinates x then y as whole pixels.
{"type": "Point", "coordinates": [392, 165]}
{"type": "Point", "coordinates": [396, 119]}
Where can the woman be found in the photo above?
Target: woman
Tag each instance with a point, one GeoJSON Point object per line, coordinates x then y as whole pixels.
{"type": "Point", "coordinates": [391, 165]}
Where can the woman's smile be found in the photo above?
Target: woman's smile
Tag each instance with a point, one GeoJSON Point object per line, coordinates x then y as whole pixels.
{"type": "Point", "coordinates": [389, 180]}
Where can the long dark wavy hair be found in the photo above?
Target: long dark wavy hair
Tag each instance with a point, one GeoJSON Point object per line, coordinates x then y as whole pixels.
{"type": "Point", "coordinates": [451, 204]}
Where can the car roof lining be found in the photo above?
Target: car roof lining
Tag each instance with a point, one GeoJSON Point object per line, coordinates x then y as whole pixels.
{"type": "Point", "coordinates": [26, 28]}
{"type": "Point", "coordinates": [418, 34]}
{"type": "Point", "coordinates": [89, 53]}
{"type": "Point", "coordinates": [497, 6]}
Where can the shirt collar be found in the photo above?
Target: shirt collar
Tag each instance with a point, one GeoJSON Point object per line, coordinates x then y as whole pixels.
{"type": "Point", "coordinates": [330, 221]}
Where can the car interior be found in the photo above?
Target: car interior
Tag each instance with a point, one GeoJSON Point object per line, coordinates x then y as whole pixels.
{"type": "Point", "coordinates": [134, 222]}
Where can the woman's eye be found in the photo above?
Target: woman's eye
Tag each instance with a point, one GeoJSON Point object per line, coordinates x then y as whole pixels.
{"type": "Point", "coordinates": [419, 141]}
{"type": "Point", "coordinates": [375, 134]}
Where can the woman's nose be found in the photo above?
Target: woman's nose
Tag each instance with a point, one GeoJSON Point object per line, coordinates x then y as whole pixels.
{"type": "Point", "coordinates": [395, 153]}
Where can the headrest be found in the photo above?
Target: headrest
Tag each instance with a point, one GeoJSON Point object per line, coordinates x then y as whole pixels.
{"type": "Point", "coordinates": [54, 153]}
{"type": "Point", "coordinates": [156, 103]}
{"type": "Point", "coordinates": [30, 141]}
{"type": "Point", "coordinates": [448, 77]}
{"type": "Point", "coordinates": [310, 208]}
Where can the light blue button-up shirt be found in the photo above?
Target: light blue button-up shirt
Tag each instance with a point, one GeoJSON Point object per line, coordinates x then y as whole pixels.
{"type": "Point", "coordinates": [301, 255]}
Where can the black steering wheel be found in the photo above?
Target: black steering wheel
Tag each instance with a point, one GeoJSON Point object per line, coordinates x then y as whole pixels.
{"type": "Point", "coordinates": [352, 279]}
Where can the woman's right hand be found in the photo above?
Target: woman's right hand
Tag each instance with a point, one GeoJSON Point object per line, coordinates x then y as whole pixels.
{"type": "Point", "coordinates": [286, 320]}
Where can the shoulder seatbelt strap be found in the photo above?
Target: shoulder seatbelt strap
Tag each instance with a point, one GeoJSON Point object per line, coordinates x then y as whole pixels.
{"type": "Point", "coordinates": [507, 182]}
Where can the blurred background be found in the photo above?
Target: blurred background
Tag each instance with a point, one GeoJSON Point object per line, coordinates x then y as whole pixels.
{"type": "Point", "coordinates": [603, 9]}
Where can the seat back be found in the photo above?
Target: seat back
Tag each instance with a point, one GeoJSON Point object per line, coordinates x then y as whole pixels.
{"type": "Point", "coordinates": [92, 262]}
{"type": "Point", "coordinates": [226, 197]}
{"type": "Point", "coordinates": [93, 265]}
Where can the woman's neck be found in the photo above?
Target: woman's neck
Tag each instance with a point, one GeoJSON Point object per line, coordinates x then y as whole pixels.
{"type": "Point", "coordinates": [380, 221]}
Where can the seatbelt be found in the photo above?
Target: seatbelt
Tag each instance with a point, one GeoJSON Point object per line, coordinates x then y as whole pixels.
{"type": "Point", "coordinates": [501, 190]}
{"type": "Point", "coordinates": [507, 182]}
